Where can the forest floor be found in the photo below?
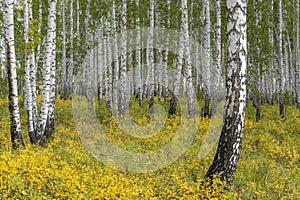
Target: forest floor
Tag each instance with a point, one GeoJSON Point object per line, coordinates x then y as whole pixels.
{"type": "Point", "coordinates": [269, 165]}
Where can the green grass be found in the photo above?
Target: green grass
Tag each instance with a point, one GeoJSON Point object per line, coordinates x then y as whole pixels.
{"type": "Point", "coordinates": [269, 166]}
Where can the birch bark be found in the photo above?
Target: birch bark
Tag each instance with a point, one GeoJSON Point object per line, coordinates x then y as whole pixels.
{"type": "Point", "coordinates": [297, 71]}
{"type": "Point", "coordinates": [217, 60]}
{"type": "Point", "coordinates": [15, 123]}
{"type": "Point", "coordinates": [123, 76]}
{"type": "Point", "coordinates": [47, 74]}
{"type": "Point", "coordinates": [206, 60]}
{"type": "Point", "coordinates": [280, 57]}
{"type": "Point", "coordinates": [230, 143]}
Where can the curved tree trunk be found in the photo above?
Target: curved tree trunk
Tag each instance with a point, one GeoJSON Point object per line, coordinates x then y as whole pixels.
{"type": "Point", "coordinates": [228, 153]}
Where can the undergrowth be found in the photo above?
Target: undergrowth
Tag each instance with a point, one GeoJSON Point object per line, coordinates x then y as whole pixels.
{"type": "Point", "coordinates": [269, 166]}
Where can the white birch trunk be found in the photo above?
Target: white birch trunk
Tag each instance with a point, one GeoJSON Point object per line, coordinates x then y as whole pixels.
{"type": "Point", "coordinates": [31, 80]}
{"type": "Point", "coordinates": [271, 73]}
{"type": "Point", "coordinates": [115, 59]}
{"type": "Point", "coordinates": [47, 74]}
{"type": "Point", "coordinates": [100, 60]}
{"type": "Point", "coordinates": [138, 79]}
{"type": "Point", "coordinates": [188, 60]}
{"type": "Point", "coordinates": [217, 60]}
{"type": "Point", "coordinates": [88, 67]}
{"type": "Point", "coordinates": [40, 13]}
{"type": "Point", "coordinates": [228, 153]}
{"type": "Point", "coordinates": [165, 56]}
{"type": "Point", "coordinates": [206, 64]}
{"type": "Point", "coordinates": [109, 71]}
{"type": "Point", "coordinates": [179, 64]}
{"type": "Point", "coordinates": [27, 65]}
{"type": "Point", "coordinates": [150, 58]}
{"type": "Point", "coordinates": [71, 63]}
{"type": "Point", "coordinates": [123, 78]}
{"type": "Point", "coordinates": [64, 57]}
{"type": "Point", "coordinates": [15, 123]}
{"type": "Point", "coordinates": [159, 58]}
{"type": "Point", "coordinates": [280, 57]}
{"type": "Point", "coordinates": [297, 71]}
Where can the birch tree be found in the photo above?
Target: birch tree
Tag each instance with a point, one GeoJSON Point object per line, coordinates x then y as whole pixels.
{"type": "Point", "coordinates": [47, 74]}
{"type": "Point", "coordinates": [115, 59]}
{"type": "Point", "coordinates": [40, 14]}
{"type": "Point", "coordinates": [217, 60]}
{"type": "Point", "coordinates": [100, 60]}
{"type": "Point", "coordinates": [150, 58]}
{"type": "Point", "coordinates": [27, 65]}
{"type": "Point", "coordinates": [123, 78]}
{"type": "Point", "coordinates": [280, 57]}
{"type": "Point", "coordinates": [297, 71]}
{"type": "Point", "coordinates": [188, 60]}
{"type": "Point", "coordinates": [32, 100]}
{"type": "Point", "coordinates": [179, 61]}
{"type": "Point", "coordinates": [52, 94]}
{"type": "Point", "coordinates": [166, 55]}
{"type": "Point", "coordinates": [138, 78]}
{"type": "Point", "coordinates": [30, 73]}
{"type": "Point", "coordinates": [71, 63]}
{"type": "Point", "coordinates": [206, 64]}
{"type": "Point", "coordinates": [109, 77]}
{"type": "Point", "coordinates": [88, 68]}
{"type": "Point", "coordinates": [15, 123]}
{"type": "Point", "coordinates": [230, 143]}
{"type": "Point", "coordinates": [64, 57]}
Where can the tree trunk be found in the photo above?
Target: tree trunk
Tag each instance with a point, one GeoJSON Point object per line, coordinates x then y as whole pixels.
{"type": "Point", "coordinates": [188, 60]}
{"type": "Point", "coordinates": [64, 57]}
{"type": "Point", "coordinates": [179, 63]}
{"type": "Point", "coordinates": [166, 56]}
{"type": "Point", "coordinates": [30, 72]}
{"type": "Point", "coordinates": [15, 123]}
{"type": "Point", "coordinates": [217, 60]}
{"type": "Point", "coordinates": [71, 63]}
{"type": "Point", "coordinates": [150, 58]}
{"type": "Point", "coordinates": [297, 71]}
{"type": "Point", "coordinates": [138, 79]}
{"type": "Point", "coordinates": [27, 65]}
{"type": "Point", "coordinates": [100, 61]}
{"type": "Point", "coordinates": [115, 60]}
{"type": "Point", "coordinates": [123, 78]}
{"type": "Point", "coordinates": [230, 143]}
{"type": "Point", "coordinates": [280, 57]}
{"type": "Point", "coordinates": [49, 62]}
{"type": "Point", "coordinates": [88, 67]}
{"type": "Point", "coordinates": [109, 71]}
{"type": "Point", "coordinates": [206, 64]}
